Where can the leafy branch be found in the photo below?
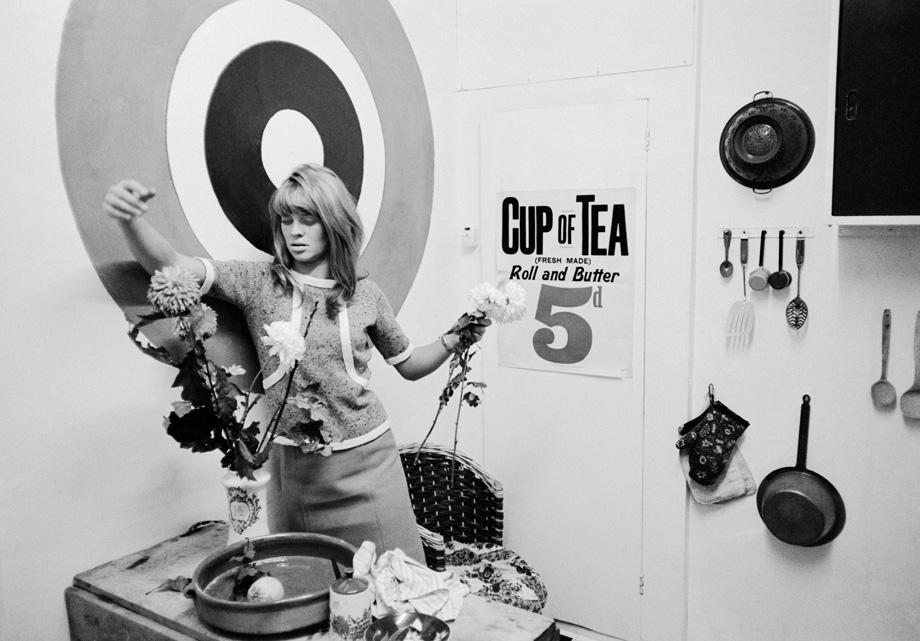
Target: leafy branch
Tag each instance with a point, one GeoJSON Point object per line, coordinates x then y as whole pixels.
{"type": "Point", "coordinates": [214, 411]}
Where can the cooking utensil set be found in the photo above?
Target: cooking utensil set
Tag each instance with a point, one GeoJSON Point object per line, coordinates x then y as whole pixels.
{"type": "Point", "coordinates": [883, 394]}
{"type": "Point", "coordinates": [739, 327]}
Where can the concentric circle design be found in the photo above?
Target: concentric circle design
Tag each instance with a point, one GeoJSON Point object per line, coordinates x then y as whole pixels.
{"type": "Point", "coordinates": [257, 84]}
{"type": "Point", "coordinates": [222, 56]}
{"type": "Point", "coordinates": [168, 92]}
{"type": "Point", "coordinates": [289, 138]}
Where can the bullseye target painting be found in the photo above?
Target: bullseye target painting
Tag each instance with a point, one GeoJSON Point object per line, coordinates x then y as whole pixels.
{"type": "Point", "coordinates": [213, 102]}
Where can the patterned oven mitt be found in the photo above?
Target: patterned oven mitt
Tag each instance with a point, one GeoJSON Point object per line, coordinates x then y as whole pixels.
{"type": "Point", "coordinates": [710, 438]}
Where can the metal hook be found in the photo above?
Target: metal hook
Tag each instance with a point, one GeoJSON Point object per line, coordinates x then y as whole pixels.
{"type": "Point", "coordinates": [712, 394]}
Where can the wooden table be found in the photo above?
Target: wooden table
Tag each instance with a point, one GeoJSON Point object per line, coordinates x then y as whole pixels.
{"type": "Point", "coordinates": [111, 602]}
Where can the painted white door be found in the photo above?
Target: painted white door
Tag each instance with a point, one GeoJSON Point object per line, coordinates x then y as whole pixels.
{"type": "Point", "coordinates": [568, 447]}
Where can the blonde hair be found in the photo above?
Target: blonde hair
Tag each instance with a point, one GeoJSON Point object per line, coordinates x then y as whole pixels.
{"type": "Point", "coordinates": [316, 189]}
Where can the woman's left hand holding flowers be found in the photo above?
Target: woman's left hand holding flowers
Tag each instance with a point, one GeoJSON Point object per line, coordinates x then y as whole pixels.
{"type": "Point", "coordinates": [468, 330]}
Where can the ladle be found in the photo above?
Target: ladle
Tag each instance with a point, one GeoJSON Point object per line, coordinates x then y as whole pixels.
{"type": "Point", "coordinates": [910, 400]}
{"type": "Point", "coordinates": [883, 395]}
{"type": "Point", "coordinates": [780, 279]}
{"type": "Point", "coordinates": [759, 276]}
{"type": "Point", "coordinates": [726, 268]}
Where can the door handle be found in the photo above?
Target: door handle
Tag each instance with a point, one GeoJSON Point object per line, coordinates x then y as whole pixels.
{"type": "Point", "coordinates": [850, 108]}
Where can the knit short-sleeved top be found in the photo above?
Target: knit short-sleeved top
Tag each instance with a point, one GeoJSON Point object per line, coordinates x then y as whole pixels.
{"type": "Point", "coordinates": [337, 349]}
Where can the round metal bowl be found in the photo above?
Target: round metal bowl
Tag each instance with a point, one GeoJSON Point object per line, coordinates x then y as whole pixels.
{"type": "Point", "coordinates": [429, 628]}
{"type": "Point", "coordinates": [289, 613]}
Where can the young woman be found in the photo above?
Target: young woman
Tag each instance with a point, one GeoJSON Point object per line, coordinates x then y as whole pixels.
{"type": "Point", "coordinates": [359, 492]}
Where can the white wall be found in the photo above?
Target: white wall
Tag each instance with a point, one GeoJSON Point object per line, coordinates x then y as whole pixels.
{"type": "Point", "coordinates": [90, 473]}
{"type": "Point", "coordinates": [743, 583]}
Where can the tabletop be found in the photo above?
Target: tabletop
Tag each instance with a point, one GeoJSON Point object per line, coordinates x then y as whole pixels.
{"type": "Point", "coordinates": [114, 601]}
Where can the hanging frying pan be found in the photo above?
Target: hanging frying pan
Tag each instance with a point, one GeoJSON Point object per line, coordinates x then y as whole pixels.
{"type": "Point", "coordinates": [797, 505]}
{"type": "Point", "coordinates": [767, 143]}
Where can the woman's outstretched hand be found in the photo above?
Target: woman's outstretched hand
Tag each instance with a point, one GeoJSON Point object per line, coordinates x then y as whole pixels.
{"type": "Point", "coordinates": [471, 327]}
{"type": "Point", "coordinates": [127, 200]}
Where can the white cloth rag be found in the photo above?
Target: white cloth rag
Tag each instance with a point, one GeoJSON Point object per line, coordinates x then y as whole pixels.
{"type": "Point", "coordinates": [402, 584]}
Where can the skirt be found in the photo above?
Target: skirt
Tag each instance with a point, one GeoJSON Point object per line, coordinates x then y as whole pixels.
{"type": "Point", "coordinates": [359, 494]}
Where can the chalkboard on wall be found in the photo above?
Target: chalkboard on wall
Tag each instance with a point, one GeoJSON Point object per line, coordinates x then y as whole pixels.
{"type": "Point", "coordinates": [877, 116]}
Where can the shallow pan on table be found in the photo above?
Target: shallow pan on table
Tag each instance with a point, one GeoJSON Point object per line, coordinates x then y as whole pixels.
{"type": "Point", "coordinates": [320, 559]}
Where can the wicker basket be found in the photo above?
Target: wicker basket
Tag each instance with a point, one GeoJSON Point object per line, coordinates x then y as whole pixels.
{"type": "Point", "coordinates": [469, 511]}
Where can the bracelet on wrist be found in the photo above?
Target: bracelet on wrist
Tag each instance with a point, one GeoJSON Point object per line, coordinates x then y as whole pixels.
{"type": "Point", "coordinates": [443, 339]}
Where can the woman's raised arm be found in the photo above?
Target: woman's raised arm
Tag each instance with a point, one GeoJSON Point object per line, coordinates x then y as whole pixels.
{"type": "Point", "coordinates": [126, 202]}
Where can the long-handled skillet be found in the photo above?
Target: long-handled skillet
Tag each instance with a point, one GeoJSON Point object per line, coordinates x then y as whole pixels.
{"type": "Point", "coordinates": [800, 506]}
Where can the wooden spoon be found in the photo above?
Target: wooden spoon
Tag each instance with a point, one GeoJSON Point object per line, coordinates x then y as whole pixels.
{"type": "Point", "coordinates": [910, 400]}
{"type": "Point", "coordinates": [883, 395]}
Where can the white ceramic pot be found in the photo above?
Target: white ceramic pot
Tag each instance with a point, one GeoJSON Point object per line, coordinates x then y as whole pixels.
{"type": "Point", "coordinates": [246, 505]}
{"type": "Point", "coordinates": [350, 601]}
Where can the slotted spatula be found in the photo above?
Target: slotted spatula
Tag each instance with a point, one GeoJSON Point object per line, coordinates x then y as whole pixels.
{"type": "Point", "coordinates": [740, 324]}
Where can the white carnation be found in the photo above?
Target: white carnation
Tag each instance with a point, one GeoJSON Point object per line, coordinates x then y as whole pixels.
{"type": "Point", "coordinates": [285, 342]}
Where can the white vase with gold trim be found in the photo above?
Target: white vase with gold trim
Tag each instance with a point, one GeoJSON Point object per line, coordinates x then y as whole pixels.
{"type": "Point", "coordinates": [246, 505]}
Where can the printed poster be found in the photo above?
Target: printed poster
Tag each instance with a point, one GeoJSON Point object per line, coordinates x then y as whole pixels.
{"type": "Point", "coordinates": [571, 250]}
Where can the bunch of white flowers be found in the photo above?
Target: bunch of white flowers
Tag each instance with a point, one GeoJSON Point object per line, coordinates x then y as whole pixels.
{"type": "Point", "coordinates": [504, 303]}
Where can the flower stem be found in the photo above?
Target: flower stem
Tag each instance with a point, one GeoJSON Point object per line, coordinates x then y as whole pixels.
{"type": "Point", "coordinates": [272, 428]}
{"type": "Point", "coordinates": [203, 363]}
{"type": "Point", "coordinates": [441, 405]}
{"type": "Point", "coordinates": [270, 431]}
{"type": "Point", "coordinates": [464, 359]}
{"type": "Point", "coordinates": [249, 393]}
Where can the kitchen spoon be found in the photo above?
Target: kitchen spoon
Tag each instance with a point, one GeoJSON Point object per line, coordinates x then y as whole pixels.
{"type": "Point", "coordinates": [780, 279]}
{"type": "Point", "coordinates": [883, 395]}
{"type": "Point", "coordinates": [910, 400]}
{"type": "Point", "coordinates": [726, 268]}
{"type": "Point", "coordinates": [797, 310]}
{"type": "Point", "coordinates": [759, 276]}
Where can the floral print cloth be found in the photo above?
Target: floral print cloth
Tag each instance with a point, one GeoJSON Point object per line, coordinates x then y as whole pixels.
{"type": "Point", "coordinates": [710, 437]}
{"type": "Point", "coordinates": [493, 572]}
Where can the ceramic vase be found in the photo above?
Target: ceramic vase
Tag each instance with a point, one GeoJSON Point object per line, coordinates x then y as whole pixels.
{"type": "Point", "coordinates": [246, 505]}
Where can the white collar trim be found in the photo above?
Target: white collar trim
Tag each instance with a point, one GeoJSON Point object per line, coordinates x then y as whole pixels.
{"type": "Point", "coordinates": [305, 279]}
